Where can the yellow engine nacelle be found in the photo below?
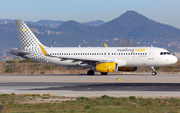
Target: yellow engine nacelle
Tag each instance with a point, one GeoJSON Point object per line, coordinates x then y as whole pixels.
{"type": "Point", "coordinates": [106, 67]}
{"type": "Point", "coordinates": [127, 69]}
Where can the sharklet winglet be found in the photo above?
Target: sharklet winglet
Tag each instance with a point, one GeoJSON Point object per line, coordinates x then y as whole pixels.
{"type": "Point", "coordinates": [105, 45]}
{"type": "Point", "coordinates": [43, 51]}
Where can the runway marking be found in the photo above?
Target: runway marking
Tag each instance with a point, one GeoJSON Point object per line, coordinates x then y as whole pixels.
{"type": "Point", "coordinates": [7, 90]}
{"type": "Point", "coordinates": [141, 80]}
{"type": "Point", "coordinates": [110, 81]}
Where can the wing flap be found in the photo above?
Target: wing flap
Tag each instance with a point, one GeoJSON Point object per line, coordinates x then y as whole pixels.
{"type": "Point", "coordinates": [83, 60]}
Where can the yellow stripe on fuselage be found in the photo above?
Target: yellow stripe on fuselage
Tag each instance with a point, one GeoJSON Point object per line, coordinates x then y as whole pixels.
{"type": "Point", "coordinates": [42, 49]}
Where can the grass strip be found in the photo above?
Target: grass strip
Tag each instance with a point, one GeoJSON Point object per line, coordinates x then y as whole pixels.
{"type": "Point", "coordinates": [103, 104]}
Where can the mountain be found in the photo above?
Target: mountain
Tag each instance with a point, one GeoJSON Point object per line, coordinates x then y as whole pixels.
{"type": "Point", "coordinates": [47, 23]}
{"type": "Point", "coordinates": [5, 21]}
{"type": "Point", "coordinates": [128, 26]}
{"type": "Point", "coordinates": [94, 23]}
{"type": "Point", "coordinates": [132, 25]}
{"type": "Point", "coordinates": [52, 23]}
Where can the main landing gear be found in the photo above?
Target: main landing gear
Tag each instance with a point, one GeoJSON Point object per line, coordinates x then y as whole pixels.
{"type": "Point", "coordinates": [153, 71]}
{"type": "Point", "coordinates": [91, 72]}
{"type": "Point", "coordinates": [102, 73]}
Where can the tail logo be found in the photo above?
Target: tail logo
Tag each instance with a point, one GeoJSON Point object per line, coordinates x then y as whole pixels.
{"type": "Point", "coordinates": [24, 29]}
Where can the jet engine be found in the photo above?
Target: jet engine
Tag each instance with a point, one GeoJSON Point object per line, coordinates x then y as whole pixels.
{"type": "Point", "coordinates": [106, 67]}
{"type": "Point", "coordinates": [128, 69]}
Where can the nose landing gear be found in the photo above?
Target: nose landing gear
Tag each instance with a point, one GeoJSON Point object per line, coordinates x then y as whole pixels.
{"type": "Point", "coordinates": [153, 71]}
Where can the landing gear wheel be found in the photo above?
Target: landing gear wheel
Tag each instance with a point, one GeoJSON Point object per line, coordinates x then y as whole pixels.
{"type": "Point", "coordinates": [90, 72]}
{"type": "Point", "coordinates": [102, 73]}
{"type": "Point", "coordinates": [153, 73]}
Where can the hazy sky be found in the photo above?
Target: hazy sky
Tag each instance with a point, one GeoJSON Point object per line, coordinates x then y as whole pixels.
{"type": "Point", "coordinates": [164, 11]}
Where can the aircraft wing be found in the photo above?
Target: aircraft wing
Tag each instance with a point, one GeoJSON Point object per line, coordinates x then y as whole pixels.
{"type": "Point", "coordinates": [18, 52]}
{"type": "Point", "coordinates": [84, 60]}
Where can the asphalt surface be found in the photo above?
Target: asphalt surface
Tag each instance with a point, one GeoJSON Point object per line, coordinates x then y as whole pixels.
{"type": "Point", "coordinates": [142, 85]}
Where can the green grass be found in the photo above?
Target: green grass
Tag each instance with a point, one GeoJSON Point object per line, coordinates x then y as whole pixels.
{"type": "Point", "coordinates": [10, 61]}
{"type": "Point", "coordinates": [104, 104]}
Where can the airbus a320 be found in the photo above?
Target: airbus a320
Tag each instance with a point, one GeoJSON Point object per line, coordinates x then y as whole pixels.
{"type": "Point", "coordinates": [100, 59]}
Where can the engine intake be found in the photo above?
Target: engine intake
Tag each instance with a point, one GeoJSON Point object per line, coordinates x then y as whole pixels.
{"type": "Point", "coordinates": [106, 67]}
{"type": "Point", "coordinates": [128, 69]}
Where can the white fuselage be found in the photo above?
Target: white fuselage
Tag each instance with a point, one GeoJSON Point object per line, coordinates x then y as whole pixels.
{"type": "Point", "coordinates": [124, 56]}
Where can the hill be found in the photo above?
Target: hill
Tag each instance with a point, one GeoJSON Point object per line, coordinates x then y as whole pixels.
{"type": "Point", "coordinates": [130, 25]}
{"type": "Point", "coordinates": [51, 23]}
{"type": "Point", "coordinates": [94, 23]}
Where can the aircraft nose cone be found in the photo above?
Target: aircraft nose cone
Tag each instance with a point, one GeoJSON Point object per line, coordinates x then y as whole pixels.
{"type": "Point", "coordinates": [174, 60]}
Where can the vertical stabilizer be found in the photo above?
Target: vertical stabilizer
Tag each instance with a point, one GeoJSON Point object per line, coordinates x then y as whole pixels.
{"type": "Point", "coordinates": [26, 37]}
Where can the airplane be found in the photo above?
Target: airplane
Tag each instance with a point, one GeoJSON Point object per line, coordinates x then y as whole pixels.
{"type": "Point", "coordinates": [101, 59]}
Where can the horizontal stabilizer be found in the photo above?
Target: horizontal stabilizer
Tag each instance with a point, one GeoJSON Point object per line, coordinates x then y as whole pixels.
{"type": "Point", "coordinates": [19, 52]}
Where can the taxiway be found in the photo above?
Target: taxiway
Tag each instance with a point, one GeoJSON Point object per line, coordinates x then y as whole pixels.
{"type": "Point", "coordinates": [141, 85]}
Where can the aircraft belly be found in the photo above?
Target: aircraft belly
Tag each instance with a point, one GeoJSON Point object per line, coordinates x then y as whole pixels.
{"type": "Point", "coordinates": [67, 63]}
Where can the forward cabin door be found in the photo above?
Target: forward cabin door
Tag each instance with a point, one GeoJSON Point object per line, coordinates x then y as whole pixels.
{"type": "Point", "coordinates": [151, 54]}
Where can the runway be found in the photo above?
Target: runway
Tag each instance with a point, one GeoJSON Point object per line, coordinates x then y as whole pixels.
{"type": "Point", "coordinates": [141, 85]}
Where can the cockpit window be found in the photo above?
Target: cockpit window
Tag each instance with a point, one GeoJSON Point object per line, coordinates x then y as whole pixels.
{"type": "Point", "coordinates": [165, 53]}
